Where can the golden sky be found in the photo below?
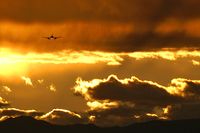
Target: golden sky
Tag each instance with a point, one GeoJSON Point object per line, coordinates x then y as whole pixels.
{"type": "Point", "coordinates": [123, 61]}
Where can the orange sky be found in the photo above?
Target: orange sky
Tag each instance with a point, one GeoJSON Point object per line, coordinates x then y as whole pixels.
{"type": "Point", "coordinates": [108, 47]}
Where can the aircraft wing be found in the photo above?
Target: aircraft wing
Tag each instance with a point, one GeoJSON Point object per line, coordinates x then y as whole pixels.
{"type": "Point", "coordinates": [46, 37]}
{"type": "Point", "coordinates": [58, 37]}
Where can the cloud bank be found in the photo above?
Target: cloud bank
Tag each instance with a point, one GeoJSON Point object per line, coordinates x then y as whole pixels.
{"type": "Point", "coordinates": [63, 117]}
{"type": "Point", "coordinates": [56, 116]}
{"type": "Point", "coordinates": [8, 56]}
{"type": "Point", "coordinates": [125, 101]}
{"type": "Point", "coordinates": [103, 25]}
{"type": "Point", "coordinates": [113, 101]}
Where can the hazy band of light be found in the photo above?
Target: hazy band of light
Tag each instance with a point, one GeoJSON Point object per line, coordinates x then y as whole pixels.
{"type": "Point", "coordinates": [88, 57]}
{"type": "Point", "coordinates": [17, 63]}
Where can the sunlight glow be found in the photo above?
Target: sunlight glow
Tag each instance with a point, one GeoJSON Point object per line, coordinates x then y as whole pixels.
{"type": "Point", "coordinates": [16, 63]}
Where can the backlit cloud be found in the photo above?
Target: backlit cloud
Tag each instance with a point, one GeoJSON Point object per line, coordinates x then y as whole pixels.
{"type": "Point", "coordinates": [3, 102]}
{"type": "Point", "coordinates": [6, 89]}
{"type": "Point", "coordinates": [27, 80]}
{"type": "Point", "coordinates": [52, 88]}
{"type": "Point", "coordinates": [196, 63]}
{"type": "Point", "coordinates": [13, 112]}
{"type": "Point", "coordinates": [129, 100]}
{"type": "Point", "coordinates": [40, 81]}
{"type": "Point", "coordinates": [111, 10]}
{"type": "Point", "coordinates": [6, 113]}
{"type": "Point", "coordinates": [62, 117]}
{"type": "Point", "coordinates": [23, 61]}
{"type": "Point", "coordinates": [156, 40]}
{"type": "Point", "coordinates": [113, 101]}
{"type": "Point", "coordinates": [98, 36]}
{"type": "Point", "coordinates": [56, 116]}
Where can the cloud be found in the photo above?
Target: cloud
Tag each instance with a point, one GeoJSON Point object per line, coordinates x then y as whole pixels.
{"type": "Point", "coordinates": [98, 36]}
{"type": "Point", "coordinates": [27, 80]}
{"type": "Point", "coordinates": [13, 112]}
{"type": "Point", "coordinates": [9, 57]}
{"type": "Point", "coordinates": [196, 63]}
{"type": "Point", "coordinates": [62, 117]}
{"type": "Point", "coordinates": [113, 101]}
{"type": "Point", "coordinates": [123, 115]}
{"type": "Point", "coordinates": [40, 81]}
{"type": "Point", "coordinates": [186, 88]}
{"type": "Point", "coordinates": [52, 88]}
{"type": "Point", "coordinates": [60, 57]}
{"type": "Point", "coordinates": [108, 25]}
{"type": "Point", "coordinates": [130, 100]}
{"type": "Point", "coordinates": [16, 63]}
{"type": "Point", "coordinates": [3, 102]}
{"type": "Point", "coordinates": [185, 111]}
{"type": "Point", "coordinates": [56, 116]}
{"type": "Point", "coordinates": [111, 10]}
{"type": "Point", "coordinates": [6, 89]}
{"type": "Point", "coordinates": [125, 90]}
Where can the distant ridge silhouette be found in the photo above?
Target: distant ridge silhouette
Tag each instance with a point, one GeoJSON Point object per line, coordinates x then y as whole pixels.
{"type": "Point", "coordinates": [25, 124]}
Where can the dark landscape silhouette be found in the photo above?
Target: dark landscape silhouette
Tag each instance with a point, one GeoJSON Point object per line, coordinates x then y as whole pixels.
{"type": "Point", "coordinates": [26, 124]}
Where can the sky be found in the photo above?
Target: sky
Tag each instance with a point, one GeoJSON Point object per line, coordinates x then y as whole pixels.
{"type": "Point", "coordinates": [118, 62]}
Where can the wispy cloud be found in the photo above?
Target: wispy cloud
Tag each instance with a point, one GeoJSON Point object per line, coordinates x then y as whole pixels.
{"type": "Point", "coordinates": [27, 80]}
{"type": "Point", "coordinates": [196, 63]}
{"type": "Point", "coordinates": [90, 57]}
{"type": "Point", "coordinates": [52, 88]}
{"type": "Point", "coordinates": [6, 89]}
{"type": "Point", "coordinates": [3, 102]}
{"type": "Point", "coordinates": [40, 81]}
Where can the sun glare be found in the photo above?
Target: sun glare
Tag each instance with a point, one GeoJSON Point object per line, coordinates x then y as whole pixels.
{"type": "Point", "coordinates": [9, 66]}
{"type": "Point", "coordinates": [12, 62]}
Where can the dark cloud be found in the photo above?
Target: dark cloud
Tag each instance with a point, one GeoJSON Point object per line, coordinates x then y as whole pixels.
{"type": "Point", "coordinates": [90, 40]}
{"type": "Point", "coordinates": [153, 41]}
{"type": "Point", "coordinates": [61, 10]}
{"type": "Point", "coordinates": [185, 111]}
{"type": "Point", "coordinates": [122, 115]}
{"type": "Point", "coordinates": [192, 89]}
{"type": "Point", "coordinates": [132, 100]}
{"type": "Point", "coordinates": [114, 101]}
{"type": "Point", "coordinates": [113, 10]}
{"type": "Point", "coordinates": [145, 16]}
{"type": "Point", "coordinates": [139, 92]}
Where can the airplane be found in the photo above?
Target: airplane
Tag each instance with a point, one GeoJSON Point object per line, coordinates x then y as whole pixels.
{"type": "Point", "coordinates": [52, 37]}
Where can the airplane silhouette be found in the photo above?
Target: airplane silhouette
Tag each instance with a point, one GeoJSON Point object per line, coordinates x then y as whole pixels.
{"type": "Point", "coordinates": [52, 37]}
